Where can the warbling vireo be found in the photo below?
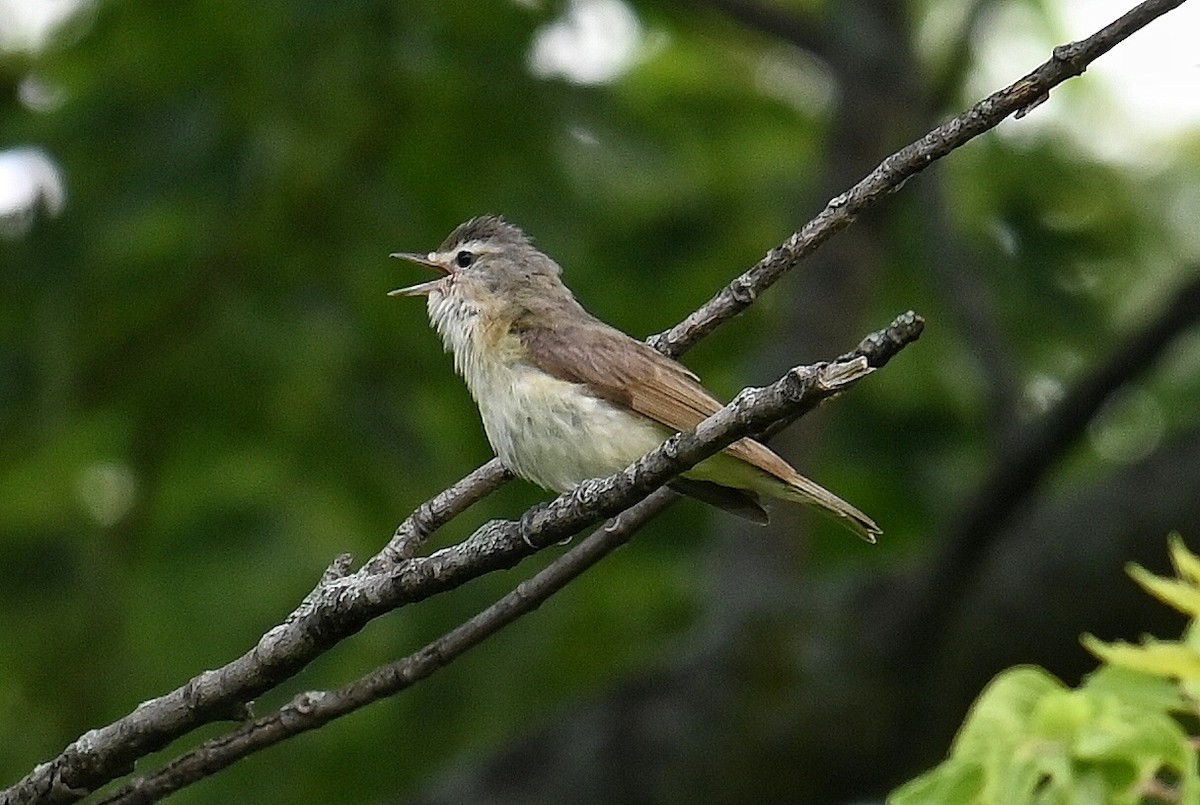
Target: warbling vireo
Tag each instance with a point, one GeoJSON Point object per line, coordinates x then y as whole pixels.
{"type": "Point", "coordinates": [565, 397]}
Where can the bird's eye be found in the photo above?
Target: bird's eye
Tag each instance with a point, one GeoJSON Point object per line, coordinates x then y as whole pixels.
{"type": "Point", "coordinates": [464, 259]}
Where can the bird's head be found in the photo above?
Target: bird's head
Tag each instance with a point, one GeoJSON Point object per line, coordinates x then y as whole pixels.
{"type": "Point", "coordinates": [487, 265]}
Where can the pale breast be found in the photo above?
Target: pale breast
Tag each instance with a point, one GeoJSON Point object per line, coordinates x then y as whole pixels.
{"type": "Point", "coordinates": [547, 431]}
{"type": "Point", "coordinates": [554, 434]}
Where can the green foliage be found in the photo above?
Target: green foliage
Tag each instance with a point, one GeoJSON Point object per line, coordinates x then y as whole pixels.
{"type": "Point", "coordinates": [1120, 737]}
{"type": "Point", "coordinates": [205, 394]}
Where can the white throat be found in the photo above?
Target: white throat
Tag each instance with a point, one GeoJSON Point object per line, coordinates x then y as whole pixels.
{"type": "Point", "coordinates": [456, 320]}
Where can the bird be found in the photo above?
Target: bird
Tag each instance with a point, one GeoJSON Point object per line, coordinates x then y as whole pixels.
{"type": "Point", "coordinates": [565, 397]}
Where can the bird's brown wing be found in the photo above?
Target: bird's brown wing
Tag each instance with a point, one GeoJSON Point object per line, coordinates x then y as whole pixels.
{"type": "Point", "coordinates": [629, 373]}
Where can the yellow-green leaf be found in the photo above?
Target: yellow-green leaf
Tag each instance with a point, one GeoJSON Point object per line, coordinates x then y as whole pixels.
{"type": "Point", "coordinates": [1187, 564]}
{"type": "Point", "coordinates": [1152, 656]}
{"type": "Point", "coordinates": [1183, 595]}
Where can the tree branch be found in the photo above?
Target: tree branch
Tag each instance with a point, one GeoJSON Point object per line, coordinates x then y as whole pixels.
{"type": "Point", "coordinates": [312, 709]}
{"type": "Point", "coordinates": [342, 604]}
{"type": "Point", "coordinates": [1066, 61]}
{"type": "Point", "coordinates": [436, 512]}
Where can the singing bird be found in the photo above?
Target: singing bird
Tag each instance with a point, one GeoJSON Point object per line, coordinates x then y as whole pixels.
{"type": "Point", "coordinates": [565, 397]}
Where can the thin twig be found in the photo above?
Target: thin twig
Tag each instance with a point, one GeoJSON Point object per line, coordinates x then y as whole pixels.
{"type": "Point", "coordinates": [436, 512]}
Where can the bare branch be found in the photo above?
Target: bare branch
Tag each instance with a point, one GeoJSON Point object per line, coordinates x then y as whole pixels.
{"type": "Point", "coordinates": [436, 512]}
{"type": "Point", "coordinates": [312, 709]}
{"type": "Point", "coordinates": [1067, 61]}
{"type": "Point", "coordinates": [341, 605]}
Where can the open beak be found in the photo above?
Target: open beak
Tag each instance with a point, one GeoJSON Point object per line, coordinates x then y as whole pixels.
{"type": "Point", "coordinates": [425, 287]}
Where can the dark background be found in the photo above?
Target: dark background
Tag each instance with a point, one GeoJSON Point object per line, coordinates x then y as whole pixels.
{"type": "Point", "coordinates": [205, 394]}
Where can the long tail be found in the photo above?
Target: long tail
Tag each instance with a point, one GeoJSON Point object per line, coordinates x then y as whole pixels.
{"type": "Point", "coordinates": [801, 490]}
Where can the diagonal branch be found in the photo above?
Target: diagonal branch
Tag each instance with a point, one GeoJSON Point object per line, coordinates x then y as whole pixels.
{"type": "Point", "coordinates": [1066, 61]}
{"type": "Point", "coordinates": [312, 709]}
{"type": "Point", "coordinates": [341, 605]}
